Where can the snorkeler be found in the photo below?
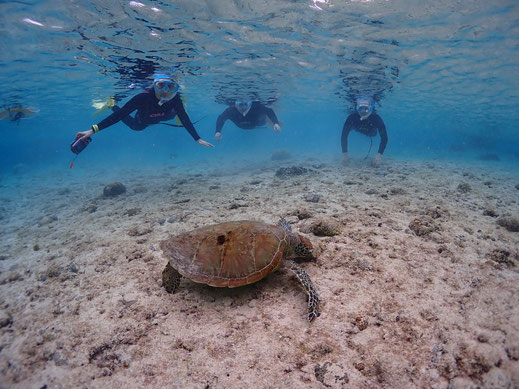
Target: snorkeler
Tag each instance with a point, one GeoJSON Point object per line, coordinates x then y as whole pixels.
{"type": "Point", "coordinates": [17, 112]}
{"type": "Point", "coordinates": [247, 115]}
{"type": "Point", "coordinates": [160, 103]}
{"type": "Point", "coordinates": [367, 122]}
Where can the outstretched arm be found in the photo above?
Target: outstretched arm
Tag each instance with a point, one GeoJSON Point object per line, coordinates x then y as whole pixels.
{"type": "Point", "coordinates": [115, 117]}
{"type": "Point", "coordinates": [222, 118]}
{"type": "Point", "coordinates": [186, 121]}
{"type": "Point", "coordinates": [346, 128]}
{"type": "Point", "coordinates": [126, 109]}
{"type": "Point", "coordinates": [383, 135]}
{"type": "Point", "coordinates": [272, 116]}
{"type": "Point", "coordinates": [184, 118]}
{"type": "Point", "coordinates": [383, 142]}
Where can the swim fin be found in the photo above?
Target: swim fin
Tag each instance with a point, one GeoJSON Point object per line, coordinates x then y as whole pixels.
{"type": "Point", "coordinates": [102, 107]}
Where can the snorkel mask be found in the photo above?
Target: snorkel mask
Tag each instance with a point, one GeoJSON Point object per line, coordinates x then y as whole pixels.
{"type": "Point", "coordinates": [165, 87]}
{"type": "Point", "coordinates": [243, 106]}
{"type": "Point", "coordinates": [364, 107]}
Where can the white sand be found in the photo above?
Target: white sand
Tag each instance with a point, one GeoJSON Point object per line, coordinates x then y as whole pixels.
{"type": "Point", "coordinates": [86, 309]}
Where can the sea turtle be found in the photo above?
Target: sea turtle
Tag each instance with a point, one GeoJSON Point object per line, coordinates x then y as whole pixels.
{"type": "Point", "coordinates": [235, 254]}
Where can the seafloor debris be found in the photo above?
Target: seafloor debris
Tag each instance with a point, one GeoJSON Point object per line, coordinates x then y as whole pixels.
{"type": "Point", "coordinates": [517, 186]}
{"type": "Point", "coordinates": [427, 223]}
{"type": "Point", "coordinates": [89, 208]}
{"type": "Point", "coordinates": [139, 230]}
{"type": "Point", "coordinates": [325, 228]}
{"type": "Point", "coordinates": [11, 276]}
{"type": "Point", "coordinates": [54, 271]}
{"type": "Point", "coordinates": [114, 189]}
{"type": "Point", "coordinates": [503, 257]}
{"type": "Point", "coordinates": [397, 191]}
{"type": "Point", "coordinates": [5, 318]}
{"type": "Point", "coordinates": [132, 211]}
{"type": "Point", "coordinates": [464, 187]}
{"type": "Point", "coordinates": [312, 197]}
{"type": "Point", "coordinates": [237, 205]}
{"type": "Point", "coordinates": [302, 214]}
{"type": "Point", "coordinates": [285, 172]}
{"type": "Point", "coordinates": [424, 225]}
{"type": "Point", "coordinates": [489, 211]}
{"type": "Point", "coordinates": [331, 375]}
{"type": "Point", "coordinates": [280, 155]}
{"type": "Point", "coordinates": [511, 223]}
{"type": "Point", "coordinates": [140, 189]}
{"type": "Point", "coordinates": [48, 219]}
{"type": "Point", "coordinates": [437, 212]}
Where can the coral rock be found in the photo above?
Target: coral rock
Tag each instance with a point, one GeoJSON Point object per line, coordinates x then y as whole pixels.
{"type": "Point", "coordinates": [114, 189]}
{"type": "Point", "coordinates": [325, 228]}
{"type": "Point", "coordinates": [510, 223]}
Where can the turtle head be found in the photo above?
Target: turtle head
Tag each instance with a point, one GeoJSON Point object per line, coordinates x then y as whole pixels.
{"type": "Point", "coordinates": [301, 246]}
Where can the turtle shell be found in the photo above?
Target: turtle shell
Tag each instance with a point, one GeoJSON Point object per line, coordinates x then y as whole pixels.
{"type": "Point", "coordinates": [228, 254]}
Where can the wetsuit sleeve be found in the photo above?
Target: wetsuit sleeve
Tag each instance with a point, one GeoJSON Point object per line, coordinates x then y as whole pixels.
{"type": "Point", "coordinates": [222, 119]}
{"type": "Point", "coordinates": [272, 116]}
{"type": "Point", "coordinates": [184, 118]}
{"type": "Point", "coordinates": [345, 132]}
{"type": "Point", "coordinates": [383, 135]}
{"type": "Point", "coordinates": [127, 109]}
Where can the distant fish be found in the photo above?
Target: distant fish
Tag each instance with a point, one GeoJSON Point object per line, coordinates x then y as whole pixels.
{"type": "Point", "coordinates": [173, 156]}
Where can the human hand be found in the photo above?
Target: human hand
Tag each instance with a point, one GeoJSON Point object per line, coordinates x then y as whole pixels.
{"type": "Point", "coordinates": [376, 160]}
{"type": "Point", "coordinates": [345, 159]}
{"type": "Point", "coordinates": [277, 127]}
{"type": "Point", "coordinates": [84, 134]}
{"type": "Point", "coordinates": [218, 136]}
{"type": "Point", "coordinates": [204, 143]}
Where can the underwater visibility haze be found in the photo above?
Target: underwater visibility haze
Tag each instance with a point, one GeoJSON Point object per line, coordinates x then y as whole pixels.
{"type": "Point", "coordinates": [444, 74]}
{"type": "Point", "coordinates": [415, 260]}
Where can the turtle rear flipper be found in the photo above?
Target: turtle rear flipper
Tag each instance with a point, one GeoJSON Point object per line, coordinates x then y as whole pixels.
{"type": "Point", "coordinates": [170, 279]}
{"type": "Point", "coordinates": [313, 296]}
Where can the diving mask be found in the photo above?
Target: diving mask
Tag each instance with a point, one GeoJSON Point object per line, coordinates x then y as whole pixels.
{"type": "Point", "coordinates": [243, 106]}
{"type": "Point", "coordinates": [165, 90]}
{"type": "Point", "coordinates": [166, 85]}
{"type": "Point", "coordinates": [364, 108]}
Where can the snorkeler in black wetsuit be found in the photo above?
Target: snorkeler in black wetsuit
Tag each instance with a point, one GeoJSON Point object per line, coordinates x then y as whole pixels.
{"type": "Point", "coordinates": [247, 115]}
{"type": "Point", "coordinates": [367, 122]}
{"type": "Point", "coordinates": [153, 106]}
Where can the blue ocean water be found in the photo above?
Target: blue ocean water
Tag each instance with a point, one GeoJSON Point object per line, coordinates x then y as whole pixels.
{"type": "Point", "coordinates": [445, 75]}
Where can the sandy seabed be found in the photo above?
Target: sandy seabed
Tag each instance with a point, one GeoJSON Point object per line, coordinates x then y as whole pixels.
{"type": "Point", "coordinates": [418, 282]}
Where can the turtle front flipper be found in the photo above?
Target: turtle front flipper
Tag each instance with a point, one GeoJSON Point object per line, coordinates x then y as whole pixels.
{"type": "Point", "coordinates": [170, 279]}
{"type": "Point", "coordinates": [313, 296]}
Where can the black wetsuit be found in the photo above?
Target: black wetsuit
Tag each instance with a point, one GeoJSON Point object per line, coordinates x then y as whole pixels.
{"type": "Point", "coordinates": [149, 112]}
{"type": "Point", "coordinates": [367, 127]}
{"type": "Point", "coordinates": [257, 116]}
